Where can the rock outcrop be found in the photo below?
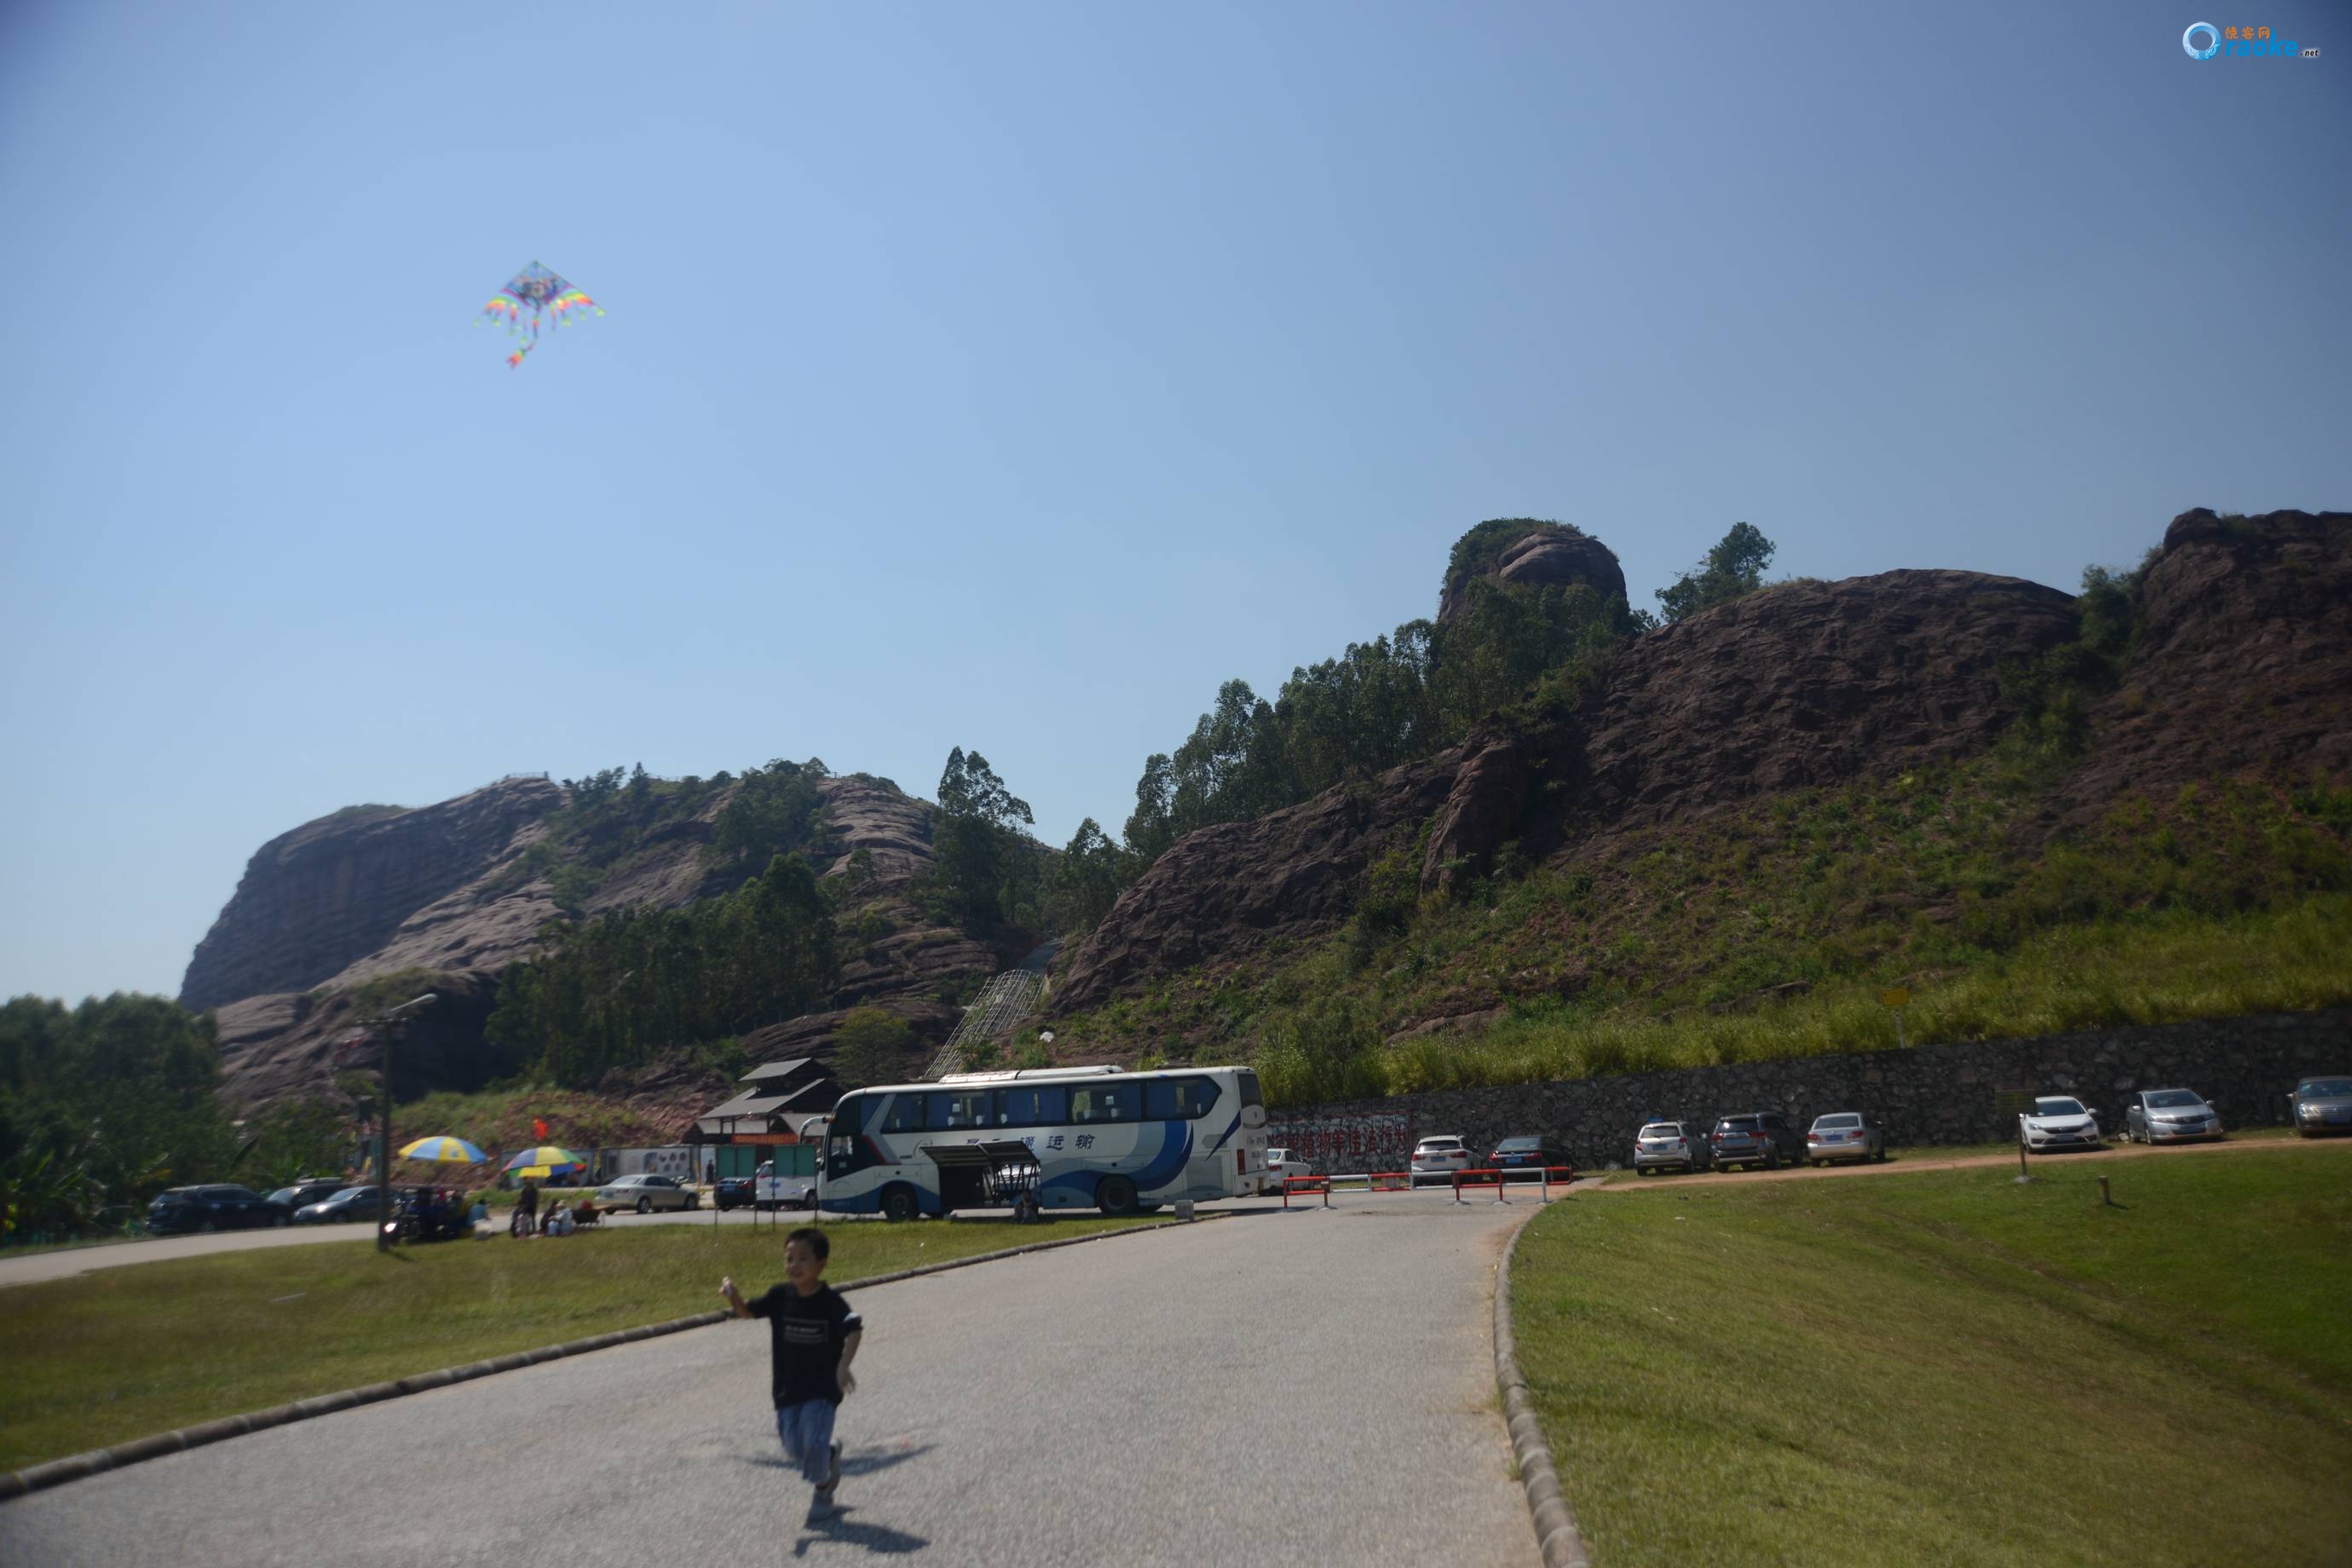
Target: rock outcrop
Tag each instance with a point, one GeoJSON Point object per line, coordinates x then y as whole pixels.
{"type": "Point", "coordinates": [374, 891]}
{"type": "Point", "coordinates": [313, 900]}
{"type": "Point", "coordinates": [1804, 684]}
{"type": "Point", "coordinates": [1548, 554]}
{"type": "Point", "coordinates": [1798, 684]}
{"type": "Point", "coordinates": [2243, 659]}
{"type": "Point", "coordinates": [1224, 892]}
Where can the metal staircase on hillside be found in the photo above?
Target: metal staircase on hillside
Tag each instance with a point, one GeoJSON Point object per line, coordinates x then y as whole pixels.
{"type": "Point", "coordinates": [1002, 1002]}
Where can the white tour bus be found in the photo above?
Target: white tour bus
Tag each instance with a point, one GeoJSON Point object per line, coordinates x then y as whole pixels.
{"type": "Point", "coordinates": [1094, 1137]}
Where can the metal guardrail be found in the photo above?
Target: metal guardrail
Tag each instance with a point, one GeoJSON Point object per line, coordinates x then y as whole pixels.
{"type": "Point", "coordinates": [1001, 1003]}
{"type": "Point", "coordinates": [1542, 1176]}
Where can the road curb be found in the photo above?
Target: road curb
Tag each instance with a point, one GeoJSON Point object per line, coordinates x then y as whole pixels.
{"type": "Point", "coordinates": [77, 1467]}
{"type": "Point", "coordinates": [1548, 1510]}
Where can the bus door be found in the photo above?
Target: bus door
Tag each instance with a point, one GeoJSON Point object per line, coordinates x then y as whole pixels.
{"type": "Point", "coordinates": [974, 1175]}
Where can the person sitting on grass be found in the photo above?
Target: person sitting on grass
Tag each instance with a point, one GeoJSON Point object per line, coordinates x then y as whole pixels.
{"type": "Point", "coordinates": [812, 1337]}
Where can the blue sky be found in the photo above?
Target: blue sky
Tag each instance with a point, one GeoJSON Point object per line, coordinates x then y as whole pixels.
{"type": "Point", "coordinates": [1008, 375]}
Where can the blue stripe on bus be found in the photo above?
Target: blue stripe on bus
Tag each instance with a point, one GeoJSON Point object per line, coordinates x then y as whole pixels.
{"type": "Point", "coordinates": [1229, 1131]}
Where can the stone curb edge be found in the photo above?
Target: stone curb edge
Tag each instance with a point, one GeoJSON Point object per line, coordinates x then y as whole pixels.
{"type": "Point", "coordinates": [78, 1466]}
{"type": "Point", "coordinates": [1555, 1526]}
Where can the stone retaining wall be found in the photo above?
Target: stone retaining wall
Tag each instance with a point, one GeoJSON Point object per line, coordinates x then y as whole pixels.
{"type": "Point", "coordinates": [1962, 1093]}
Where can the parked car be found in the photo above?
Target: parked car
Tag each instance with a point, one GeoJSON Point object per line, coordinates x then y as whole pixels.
{"type": "Point", "coordinates": [646, 1193]}
{"type": "Point", "coordinates": [775, 1192]}
{"type": "Point", "coordinates": [2058, 1121]}
{"type": "Point", "coordinates": [2321, 1105]}
{"type": "Point", "coordinates": [1280, 1166]}
{"type": "Point", "coordinates": [1844, 1135]}
{"type": "Point", "coordinates": [2170, 1116]}
{"type": "Point", "coordinates": [1440, 1156]}
{"type": "Point", "coordinates": [734, 1192]}
{"type": "Point", "coordinates": [348, 1204]}
{"type": "Point", "coordinates": [1528, 1152]}
{"type": "Point", "coordinates": [212, 1207]}
{"type": "Point", "coordinates": [1671, 1146]}
{"type": "Point", "coordinates": [307, 1191]}
{"type": "Point", "coordinates": [1760, 1138]}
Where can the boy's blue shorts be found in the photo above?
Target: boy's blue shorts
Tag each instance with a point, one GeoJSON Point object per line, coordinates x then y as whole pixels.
{"type": "Point", "coordinates": [806, 1429]}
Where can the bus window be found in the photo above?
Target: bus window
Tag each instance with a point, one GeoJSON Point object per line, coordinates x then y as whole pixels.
{"type": "Point", "coordinates": [1045, 1105]}
{"type": "Point", "coordinates": [1102, 1102]}
{"type": "Point", "coordinates": [957, 1110]}
{"type": "Point", "coordinates": [1178, 1098]}
{"type": "Point", "coordinates": [905, 1115]}
{"type": "Point", "coordinates": [1247, 1083]}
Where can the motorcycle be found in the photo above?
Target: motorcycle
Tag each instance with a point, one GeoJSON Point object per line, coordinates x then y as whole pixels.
{"type": "Point", "coordinates": [414, 1220]}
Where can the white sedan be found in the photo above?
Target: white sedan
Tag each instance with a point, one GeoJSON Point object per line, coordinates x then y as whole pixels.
{"type": "Point", "coordinates": [646, 1194]}
{"type": "Point", "coordinates": [1279, 1165]}
{"type": "Point", "coordinates": [2058, 1121]}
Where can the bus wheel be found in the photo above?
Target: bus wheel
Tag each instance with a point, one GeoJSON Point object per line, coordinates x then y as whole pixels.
{"type": "Point", "coordinates": [1114, 1196]}
{"type": "Point", "coordinates": [899, 1203]}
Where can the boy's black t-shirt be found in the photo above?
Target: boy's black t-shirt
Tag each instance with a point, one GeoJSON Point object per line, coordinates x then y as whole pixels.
{"type": "Point", "coordinates": [806, 1333]}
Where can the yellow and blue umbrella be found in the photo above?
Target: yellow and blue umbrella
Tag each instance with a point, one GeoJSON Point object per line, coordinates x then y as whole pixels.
{"type": "Point", "coordinates": [444, 1150]}
{"type": "Point", "coordinates": [537, 1163]}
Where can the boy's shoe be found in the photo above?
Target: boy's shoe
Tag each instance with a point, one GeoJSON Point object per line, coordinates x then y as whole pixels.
{"type": "Point", "coordinates": [822, 1506]}
{"type": "Point", "coordinates": [832, 1475]}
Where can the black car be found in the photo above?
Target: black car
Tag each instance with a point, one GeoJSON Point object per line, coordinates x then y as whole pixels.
{"type": "Point", "coordinates": [209, 1209]}
{"type": "Point", "coordinates": [735, 1192]}
{"type": "Point", "coordinates": [348, 1206]}
{"type": "Point", "coordinates": [1528, 1152]}
{"type": "Point", "coordinates": [307, 1191]}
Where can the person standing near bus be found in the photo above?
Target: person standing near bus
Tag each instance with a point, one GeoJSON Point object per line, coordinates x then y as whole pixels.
{"type": "Point", "coordinates": [813, 1336]}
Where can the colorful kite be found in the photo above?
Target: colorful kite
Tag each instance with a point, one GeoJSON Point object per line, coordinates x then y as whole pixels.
{"type": "Point", "coordinates": [534, 292]}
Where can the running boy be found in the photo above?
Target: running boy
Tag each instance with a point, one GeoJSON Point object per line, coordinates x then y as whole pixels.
{"type": "Point", "coordinates": [815, 1336]}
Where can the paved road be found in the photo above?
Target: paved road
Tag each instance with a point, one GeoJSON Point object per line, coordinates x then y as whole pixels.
{"type": "Point", "coordinates": [1296, 1388]}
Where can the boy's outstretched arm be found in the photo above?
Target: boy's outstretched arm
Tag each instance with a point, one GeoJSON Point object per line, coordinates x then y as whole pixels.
{"type": "Point", "coordinates": [848, 1354]}
{"type": "Point", "coordinates": [735, 1298]}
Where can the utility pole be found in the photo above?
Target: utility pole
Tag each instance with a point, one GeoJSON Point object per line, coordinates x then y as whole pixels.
{"type": "Point", "coordinates": [387, 1024]}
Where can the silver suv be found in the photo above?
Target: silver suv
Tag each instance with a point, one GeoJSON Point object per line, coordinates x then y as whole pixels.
{"type": "Point", "coordinates": [1670, 1146]}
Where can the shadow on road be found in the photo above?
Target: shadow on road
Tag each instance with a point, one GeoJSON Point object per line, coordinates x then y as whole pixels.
{"type": "Point", "coordinates": [852, 1464]}
{"type": "Point", "coordinates": [875, 1538]}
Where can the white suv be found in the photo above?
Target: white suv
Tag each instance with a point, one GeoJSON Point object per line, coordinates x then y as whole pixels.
{"type": "Point", "coordinates": [1440, 1156]}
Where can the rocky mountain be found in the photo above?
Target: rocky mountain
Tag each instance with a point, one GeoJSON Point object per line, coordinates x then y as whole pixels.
{"type": "Point", "coordinates": [2244, 659]}
{"type": "Point", "coordinates": [452, 894]}
{"type": "Point", "coordinates": [334, 892]}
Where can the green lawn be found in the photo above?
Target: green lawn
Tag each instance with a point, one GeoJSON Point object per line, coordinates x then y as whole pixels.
{"type": "Point", "coordinates": [128, 1352]}
{"type": "Point", "coordinates": [1952, 1368]}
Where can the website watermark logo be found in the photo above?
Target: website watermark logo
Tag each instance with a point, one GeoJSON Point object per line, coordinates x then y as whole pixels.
{"type": "Point", "coordinates": [2204, 41]}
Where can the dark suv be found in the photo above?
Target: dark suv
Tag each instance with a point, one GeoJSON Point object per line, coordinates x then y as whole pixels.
{"type": "Point", "coordinates": [216, 1208]}
{"type": "Point", "coordinates": [1760, 1138]}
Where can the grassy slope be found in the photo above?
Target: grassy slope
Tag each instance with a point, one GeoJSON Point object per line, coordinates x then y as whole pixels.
{"type": "Point", "coordinates": [2233, 897]}
{"type": "Point", "coordinates": [1953, 1368]}
{"type": "Point", "coordinates": [127, 1351]}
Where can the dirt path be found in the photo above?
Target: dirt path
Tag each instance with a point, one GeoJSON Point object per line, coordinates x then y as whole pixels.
{"type": "Point", "coordinates": [1905, 1164]}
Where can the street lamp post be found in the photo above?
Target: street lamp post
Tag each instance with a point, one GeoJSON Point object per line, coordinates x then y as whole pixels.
{"type": "Point", "coordinates": [388, 1023]}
